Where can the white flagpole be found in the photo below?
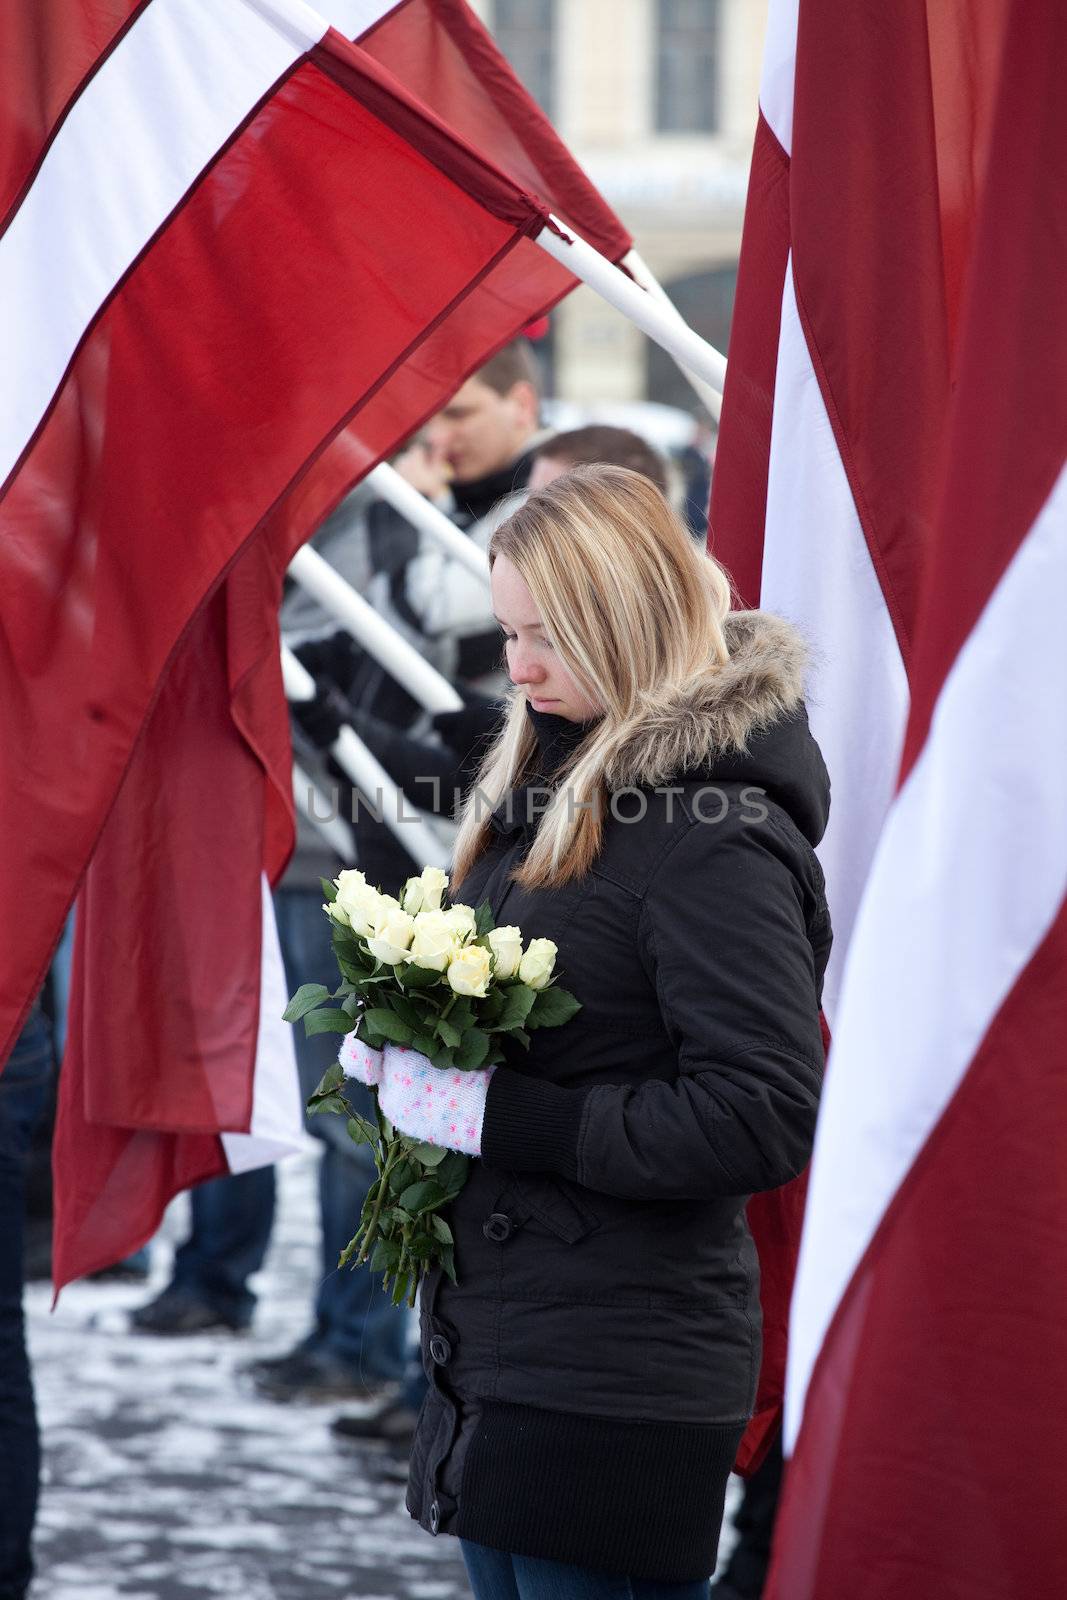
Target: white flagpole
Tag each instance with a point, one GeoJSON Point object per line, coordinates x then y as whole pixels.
{"type": "Point", "coordinates": [402, 660]}
{"type": "Point", "coordinates": [423, 514]}
{"type": "Point", "coordinates": [710, 398]}
{"type": "Point", "coordinates": [639, 305]}
{"type": "Point", "coordinates": [369, 776]}
{"type": "Point", "coordinates": [309, 798]}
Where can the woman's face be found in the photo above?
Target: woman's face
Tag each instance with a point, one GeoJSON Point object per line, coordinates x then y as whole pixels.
{"type": "Point", "coordinates": [532, 662]}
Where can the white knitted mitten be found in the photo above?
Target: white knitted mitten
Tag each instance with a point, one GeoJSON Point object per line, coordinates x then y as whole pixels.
{"type": "Point", "coordinates": [360, 1060]}
{"type": "Point", "coordinates": [430, 1103]}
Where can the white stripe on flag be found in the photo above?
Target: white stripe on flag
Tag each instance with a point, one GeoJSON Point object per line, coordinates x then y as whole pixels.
{"type": "Point", "coordinates": [970, 872]}
{"type": "Point", "coordinates": [277, 1116]}
{"type": "Point", "coordinates": [180, 81]}
{"type": "Point", "coordinates": [817, 571]}
{"type": "Point", "coordinates": [779, 70]}
{"type": "Point", "coordinates": [353, 17]}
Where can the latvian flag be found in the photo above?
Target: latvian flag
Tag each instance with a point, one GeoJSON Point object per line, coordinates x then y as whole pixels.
{"type": "Point", "coordinates": [896, 412]}
{"type": "Point", "coordinates": [241, 259]}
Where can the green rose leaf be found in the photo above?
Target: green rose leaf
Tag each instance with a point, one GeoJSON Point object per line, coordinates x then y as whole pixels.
{"type": "Point", "coordinates": [387, 1025]}
{"type": "Point", "coordinates": [447, 1258]}
{"type": "Point", "coordinates": [431, 1155]}
{"type": "Point", "coordinates": [327, 1022]}
{"type": "Point", "coordinates": [553, 1007]}
{"type": "Point", "coordinates": [360, 1131]}
{"type": "Point", "coordinates": [306, 998]}
{"type": "Point", "coordinates": [403, 1175]}
{"type": "Point", "coordinates": [407, 1011]}
{"type": "Point", "coordinates": [489, 1009]}
{"type": "Point", "coordinates": [386, 1255]}
{"type": "Point", "coordinates": [452, 1173]}
{"type": "Point", "coordinates": [420, 1195]}
{"type": "Point", "coordinates": [484, 921]}
{"type": "Point", "coordinates": [449, 1032]}
{"type": "Point", "coordinates": [331, 1079]}
{"type": "Point", "coordinates": [462, 1015]}
{"type": "Point", "coordinates": [329, 890]}
{"type": "Point", "coordinates": [329, 1102]}
{"type": "Point", "coordinates": [425, 1044]}
{"type": "Point", "coordinates": [412, 976]}
{"type": "Point", "coordinates": [473, 1051]}
{"type": "Point", "coordinates": [441, 1229]}
{"type": "Point", "coordinates": [518, 1004]}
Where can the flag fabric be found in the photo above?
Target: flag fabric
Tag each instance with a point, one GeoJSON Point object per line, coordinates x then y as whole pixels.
{"type": "Point", "coordinates": [860, 211]}
{"type": "Point", "coordinates": [919, 160]}
{"type": "Point", "coordinates": [442, 54]}
{"type": "Point", "coordinates": [227, 236]}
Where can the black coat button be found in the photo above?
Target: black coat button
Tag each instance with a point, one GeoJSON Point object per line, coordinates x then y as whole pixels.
{"type": "Point", "coordinates": [435, 1517]}
{"type": "Point", "coordinates": [440, 1350]}
{"type": "Point", "coordinates": [497, 1227]}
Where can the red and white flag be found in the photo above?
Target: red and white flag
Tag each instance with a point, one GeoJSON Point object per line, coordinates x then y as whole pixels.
{"type": "Point", "coordinates": [228, 239]}
{"type": "Point", "coordinates": [916, 163]}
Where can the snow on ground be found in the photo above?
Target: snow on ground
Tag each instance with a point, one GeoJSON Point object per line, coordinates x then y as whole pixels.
{"type": "Point", "coordinates": [166, 1477]}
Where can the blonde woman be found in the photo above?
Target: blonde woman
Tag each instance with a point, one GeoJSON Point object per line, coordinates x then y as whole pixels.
{"type": "Point", "coordinates": [650, 805]}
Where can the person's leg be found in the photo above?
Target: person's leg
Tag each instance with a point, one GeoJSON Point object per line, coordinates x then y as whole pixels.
{"type": "Point", "coordinates": [358, 1337]}
{"type": "Point", "coordinates": [23, 1090]}
{"type": "Point", "coordinates": [490, 1572]}
{"type": "Point", "coordinates": [746, 1571]}
{"type": "Point", "coordinates": [232, 1219]}
{"type": "Point", "coordinates": [355, 1319]}
{"type": "Point", "coordinates": [557, 1580]}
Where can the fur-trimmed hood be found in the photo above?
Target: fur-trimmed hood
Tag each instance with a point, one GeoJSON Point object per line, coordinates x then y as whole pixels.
{"type": "Point", "coordinates": [744, 722]}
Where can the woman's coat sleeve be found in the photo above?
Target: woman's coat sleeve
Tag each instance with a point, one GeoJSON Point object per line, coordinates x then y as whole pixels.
{"type": "Point", "coordinates": [733, 936]}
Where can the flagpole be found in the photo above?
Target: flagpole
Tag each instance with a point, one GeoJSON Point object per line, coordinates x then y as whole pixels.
{"type": "Point", "coordinates": [307, 795]}
{"type": "Point", "coordinates": [369, 776]}
{"type": "Point", "coordinates": [639, 305]}
{"type": "Point", "coordinates": [709, 398]}
{"type": "Point", "coordinates": [373, 632]}
{"type": "Point", "coordinates": [423, 514]}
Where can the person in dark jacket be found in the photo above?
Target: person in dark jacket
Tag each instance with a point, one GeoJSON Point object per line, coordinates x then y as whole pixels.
{"type": "Point", "coordinates": [651, 805]}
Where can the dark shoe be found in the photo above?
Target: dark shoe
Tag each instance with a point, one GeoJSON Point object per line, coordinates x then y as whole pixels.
{"type": "Point", "coordinates": [311, 1375]}
{"type": "Point", "coordinates": [393, 1423]}
{"type": "Point", "coordinates": [174, 1312]}
{"type": "Point", "coordinates": [131, 1270]}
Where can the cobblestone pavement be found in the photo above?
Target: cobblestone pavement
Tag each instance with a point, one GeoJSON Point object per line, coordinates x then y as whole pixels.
{"type": "Point", "coordinates": [167, 1478]}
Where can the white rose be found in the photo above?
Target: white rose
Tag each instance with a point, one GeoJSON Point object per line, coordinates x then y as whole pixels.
{"type": "Point", "coordinates": [393, 933]}
{"type": "Point", "coordinates": [359, 900]}
{"type": "Point", "coordinates": [434, 942]}
{"type": "Point", "coordinates": [468, 971]}
{"type": "Point", "coordinates": [434, 883]}
{"type": "Point", "coordinates": [462, 919]}
{"type": "Point", "coordinates": [506, 945]}
{"type": "Point", "coordinates": [412, 896]}
{"type": "Point", "coordinates": [337, 912]}
{"type": "Point", "coordinates": [535, 968]}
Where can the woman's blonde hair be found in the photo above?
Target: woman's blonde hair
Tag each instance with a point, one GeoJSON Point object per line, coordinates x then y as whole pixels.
{"type": "Point", "coordinates": [632, 606]}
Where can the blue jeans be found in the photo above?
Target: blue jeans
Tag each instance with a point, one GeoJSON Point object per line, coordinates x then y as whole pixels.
{"type": "Point", "coordinates": [24, 1086]}
{"type": "Point", "coordinates": [232, 1217]}
{"type": "Point", "coordinates": [494, 1575]}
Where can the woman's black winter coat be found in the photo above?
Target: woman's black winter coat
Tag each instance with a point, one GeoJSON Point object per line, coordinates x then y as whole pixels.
{"type": "Point", "coordinates": [593, 1371]}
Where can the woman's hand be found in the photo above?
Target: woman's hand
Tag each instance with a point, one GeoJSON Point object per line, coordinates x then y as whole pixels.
{"type": "Point", "coordinates": [434, 1105]}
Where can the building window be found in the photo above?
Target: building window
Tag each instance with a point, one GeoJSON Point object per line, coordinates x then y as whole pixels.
{"type": "Point", "coordinates": [525, 30]}
{"type": "Point", "coordinates": [687, 66]}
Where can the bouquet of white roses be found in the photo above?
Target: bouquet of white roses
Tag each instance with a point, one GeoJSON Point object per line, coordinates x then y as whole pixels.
{"type": "Point", "coordinates": [433, 990]}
